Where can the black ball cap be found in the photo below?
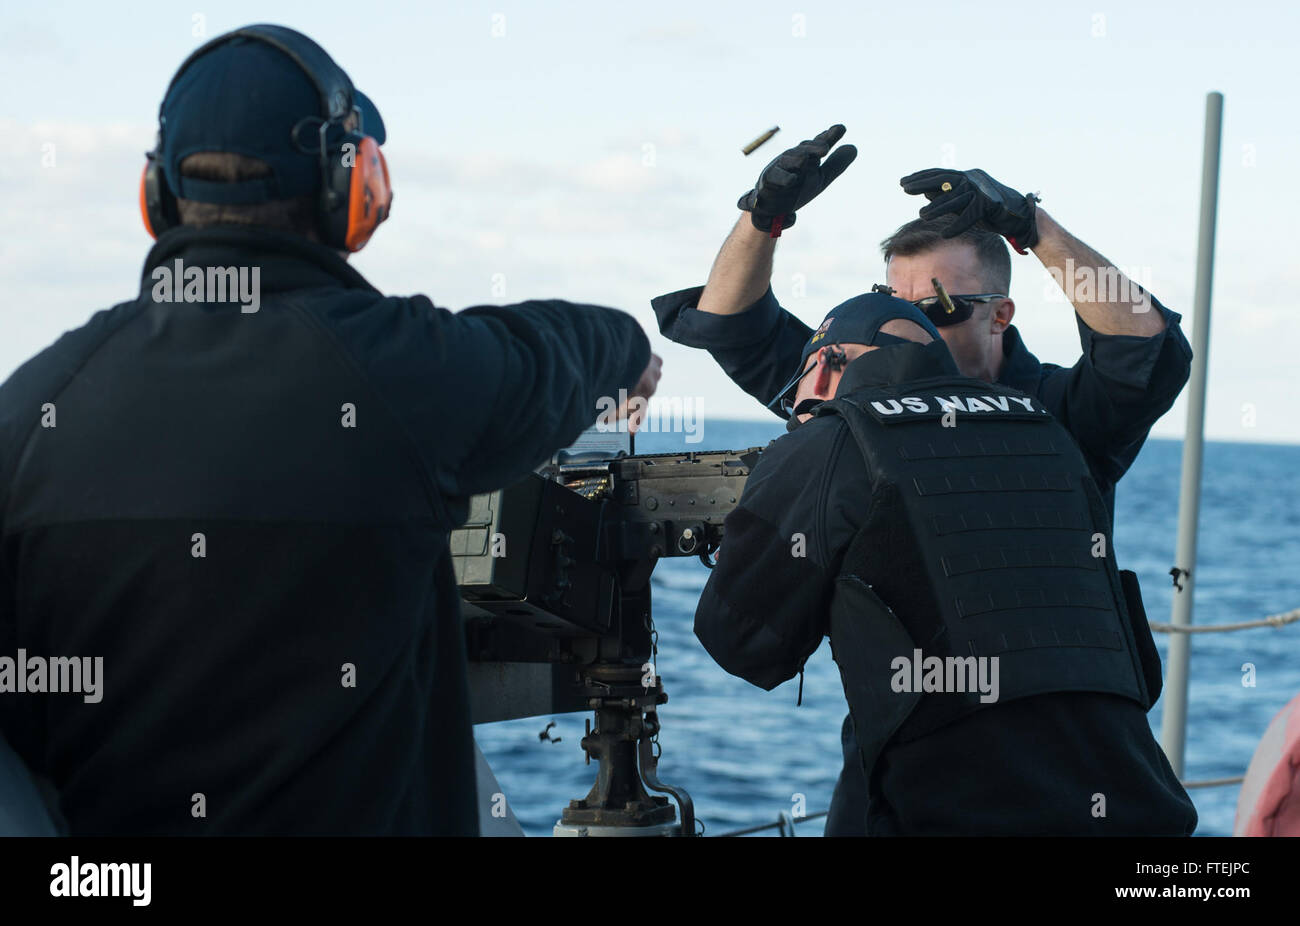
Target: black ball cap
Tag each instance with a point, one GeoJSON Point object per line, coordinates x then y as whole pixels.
{"type": "Point", "coordinates": [858, 321]}
{"type": "Point", "coordinates": [247, 97]}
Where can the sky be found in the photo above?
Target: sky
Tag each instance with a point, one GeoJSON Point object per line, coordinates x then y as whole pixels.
{"type": "Point", "coordinates": [591, 152]}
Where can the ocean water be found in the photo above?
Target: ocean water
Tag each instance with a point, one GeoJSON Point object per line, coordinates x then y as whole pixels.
{"type": "Point", "coordinates": [745, 754]}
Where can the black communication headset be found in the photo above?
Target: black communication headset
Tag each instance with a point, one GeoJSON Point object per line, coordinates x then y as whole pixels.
{"type": "Point", "coordinates": [355, 195]}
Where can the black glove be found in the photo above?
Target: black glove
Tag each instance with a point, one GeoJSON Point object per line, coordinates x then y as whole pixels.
{"type": "Point", "coordinates": [976, 198]}
{"type": "Point", "coordinates": [792, 180]}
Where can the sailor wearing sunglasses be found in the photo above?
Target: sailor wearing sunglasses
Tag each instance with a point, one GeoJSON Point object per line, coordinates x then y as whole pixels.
{"type": "Point", "coordinates": [952, 263]}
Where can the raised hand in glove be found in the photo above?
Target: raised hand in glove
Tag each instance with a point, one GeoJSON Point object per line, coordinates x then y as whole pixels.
{"type": "Point", "coordinates": [976, 198]}
{"type": "Point", "coordinates": [792, 180]}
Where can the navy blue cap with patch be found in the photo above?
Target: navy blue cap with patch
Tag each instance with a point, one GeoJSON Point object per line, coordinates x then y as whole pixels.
{"type": "Point", "coordinates": [243, 93]}
{"type": "Point", "coordinates": [858, 321]}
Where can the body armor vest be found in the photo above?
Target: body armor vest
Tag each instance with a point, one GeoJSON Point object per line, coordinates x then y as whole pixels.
{"type": "Point", "coordinates": [983, 572]}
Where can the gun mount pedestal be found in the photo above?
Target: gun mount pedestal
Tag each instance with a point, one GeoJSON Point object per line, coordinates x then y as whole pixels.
{"type": "Point", "coordinates": [623, 745]}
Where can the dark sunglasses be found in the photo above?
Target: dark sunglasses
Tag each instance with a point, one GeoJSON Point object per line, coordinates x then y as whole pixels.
{"type": "Point", "coordinates": [953, 310]}
{"type": "Point", "coordinates": [963, 306]}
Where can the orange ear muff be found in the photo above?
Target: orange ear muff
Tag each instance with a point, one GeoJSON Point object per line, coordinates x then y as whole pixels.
{"type": "Point", "coordinates": [370, 197]}
{"type": "Point", "coordinates": [157, 205]}
{"type": "Point", "coordinates": [144, 203]}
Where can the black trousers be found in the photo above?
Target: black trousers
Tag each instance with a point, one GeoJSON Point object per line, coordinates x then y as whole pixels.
{"type": "Point", "coordinates": [848, 811]}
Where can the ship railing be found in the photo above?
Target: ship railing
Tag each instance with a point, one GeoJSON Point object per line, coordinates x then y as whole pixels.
{"type": "Point", "coordinates": [786, 822]}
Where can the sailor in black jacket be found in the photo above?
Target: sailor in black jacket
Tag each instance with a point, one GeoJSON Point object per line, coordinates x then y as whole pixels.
{"type": "Point", "coordinates": [999, 566]}
{"type": "Point", "coordinates": [240, 502]}
{"type": "Point", "coordinates": [1134, 357]}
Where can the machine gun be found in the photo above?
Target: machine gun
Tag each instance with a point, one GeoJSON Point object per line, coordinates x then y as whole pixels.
{"type": "Point", "coordinates": [554, 575]}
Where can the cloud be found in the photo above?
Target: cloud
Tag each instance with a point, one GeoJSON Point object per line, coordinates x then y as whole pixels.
{"type": "Point", "coordinates": [23, 39]}
{"type": "Point", "coordinates": [668, 32]}
{"type": "Point", "coordinates": [674, 35]}
{"type": "Point", "coordinates": [493, 173]}
{"type": "Point", "coordinates": [493, 226]}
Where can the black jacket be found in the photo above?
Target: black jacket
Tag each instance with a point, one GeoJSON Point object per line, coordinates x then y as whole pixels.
{"type": "Point", "coordinates": [1028, 766]}
{"type": "Point", "coordinates": [324, 543]}
{"type": "Point", "coordinates": [1108, 400]}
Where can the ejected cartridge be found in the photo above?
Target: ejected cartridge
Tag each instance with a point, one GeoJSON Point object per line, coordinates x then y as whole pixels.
{"type": "Point", "coordinates": [942, 293]}
{"type": "Point", "coordinates": [753, 145]}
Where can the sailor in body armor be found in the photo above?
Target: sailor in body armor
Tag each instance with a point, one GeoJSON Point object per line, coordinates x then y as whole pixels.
{"type": "Point", "coordinates": [948, 536]}
{"type": "Point", "coordinates": [1134, 357]}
